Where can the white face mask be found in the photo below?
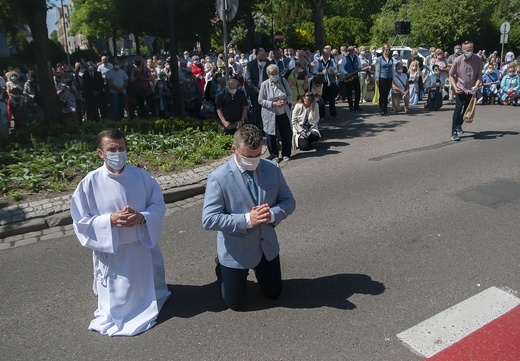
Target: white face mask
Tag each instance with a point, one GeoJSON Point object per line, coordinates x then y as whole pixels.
{"type": "Point", "coordinates": [232, 91]}
{"type": "Point", "coordinates": [468, 54]}
{"type": "Point", "coordinates": [274, 78]}
{"type": "Point", "coordinates": [261, 63]}
{"type": "Point", "coordinates": [116, 160]}
{"type": "Point", "coordinates": [249, 163]}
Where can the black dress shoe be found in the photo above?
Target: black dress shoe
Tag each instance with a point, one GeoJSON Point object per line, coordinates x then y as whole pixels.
{"type": "Point", "coordinates": [382, 114]}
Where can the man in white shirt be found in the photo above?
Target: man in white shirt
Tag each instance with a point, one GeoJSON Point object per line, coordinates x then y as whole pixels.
{"type": "Point", "coordinates": [117, 211]}
{"type": "Point", "coordinates": [327, 67]}
{"type": "Point", "coordinates": [104, 66]}
{"type": "Point", "coordinates": [117, 81]}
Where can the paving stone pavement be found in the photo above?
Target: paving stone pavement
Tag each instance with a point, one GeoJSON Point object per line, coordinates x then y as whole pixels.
{"type": "Point", "coordinates": [32, 222]}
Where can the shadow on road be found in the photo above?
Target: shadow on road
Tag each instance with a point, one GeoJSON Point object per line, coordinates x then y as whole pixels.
{"type": "Point", "coordinates": [329, 291]}
{"type": "Point", "coordinates": [490, 134]}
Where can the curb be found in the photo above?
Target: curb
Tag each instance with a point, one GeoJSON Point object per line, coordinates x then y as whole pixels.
{"type": "Point", "coordinates": [64, 218]}
{"type": "Point", "coordinates": [175, 188]}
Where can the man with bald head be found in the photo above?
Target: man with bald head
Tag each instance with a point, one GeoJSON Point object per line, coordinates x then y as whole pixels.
{"type": "Point", "coordinates": [232, 107]}
{"type": "Point", "coordinates": [255, 75]}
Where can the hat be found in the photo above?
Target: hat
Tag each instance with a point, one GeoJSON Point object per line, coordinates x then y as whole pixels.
{"type": "Point", "coordinates": [395, 52]}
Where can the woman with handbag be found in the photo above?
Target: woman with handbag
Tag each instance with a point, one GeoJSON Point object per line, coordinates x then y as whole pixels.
{"type": "Point", "coordinates": [274, 98]}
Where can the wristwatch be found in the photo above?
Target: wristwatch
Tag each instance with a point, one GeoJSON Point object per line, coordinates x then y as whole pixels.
{"type": "Point", "coordinates": [143, 221]}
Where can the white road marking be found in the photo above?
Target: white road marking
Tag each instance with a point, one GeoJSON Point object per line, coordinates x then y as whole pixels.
{"type": "Point", "coordinates": [442, 330]}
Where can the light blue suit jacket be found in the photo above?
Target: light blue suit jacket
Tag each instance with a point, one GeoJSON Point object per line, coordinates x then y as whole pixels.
{"type": "Point", "coordinates": [226, 202]}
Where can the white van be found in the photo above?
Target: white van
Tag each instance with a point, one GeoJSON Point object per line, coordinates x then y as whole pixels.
{"type": "Point", "coordinates": [405, 52]}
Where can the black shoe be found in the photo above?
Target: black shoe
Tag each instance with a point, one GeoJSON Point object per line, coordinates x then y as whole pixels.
{"type": "Point", "coordinates": [218, 272]}
{"type": "Point", "coordinates": [351, 108]}
{"type": "Point", "coordinates": [357, 108]}
{"type": "Point", "coordinates": [383, 114]}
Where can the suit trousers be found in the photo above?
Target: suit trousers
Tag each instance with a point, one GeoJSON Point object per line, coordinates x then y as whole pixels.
{"type": "Point", "coordinates": [233, 282]}
{"type": "Point", "coordinates": [257, 111]}
{"type": "Point", "coordinates": [329, 96]}
{"type": "Point", "coordinates": [353, 85]}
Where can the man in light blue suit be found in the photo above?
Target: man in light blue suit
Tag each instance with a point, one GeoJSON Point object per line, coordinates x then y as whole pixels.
{"type": "Point", "coordinates": [246, 198]}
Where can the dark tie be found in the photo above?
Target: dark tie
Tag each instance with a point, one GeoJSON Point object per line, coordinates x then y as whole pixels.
{"type": "Point", "coordinates": [252, 185]}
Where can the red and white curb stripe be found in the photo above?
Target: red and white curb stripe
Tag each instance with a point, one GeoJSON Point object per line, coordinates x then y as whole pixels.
{"type": "Point", "coordinates": [483, 327]}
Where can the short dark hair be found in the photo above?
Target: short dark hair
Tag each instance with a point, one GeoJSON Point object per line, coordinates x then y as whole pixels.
{"type": "Point", "coordinates": [112, 133]}
{"type": "Point", "coordinates": [249, 135]}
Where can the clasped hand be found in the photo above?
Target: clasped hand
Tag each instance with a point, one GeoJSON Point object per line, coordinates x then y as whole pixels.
{"type": "Point", "coordinates": [127, 217]}
{"type": "Point", "coordinates": [279, 103]}
{"type": "Point", "coordinates": [260, 214]}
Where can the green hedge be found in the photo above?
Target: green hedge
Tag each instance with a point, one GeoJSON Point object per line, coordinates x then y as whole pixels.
{"type": "Point", "coordinates": [53, 158]}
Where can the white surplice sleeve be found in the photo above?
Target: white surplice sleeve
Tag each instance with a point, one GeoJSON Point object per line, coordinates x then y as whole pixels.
{"type": "Point", "coordinates": [93, 230]}
{"type": "Point", "coordinates": [150, 232]}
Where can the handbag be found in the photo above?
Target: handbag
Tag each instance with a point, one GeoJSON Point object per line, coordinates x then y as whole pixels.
{"type": "Point", "coordinates": [469, 114]}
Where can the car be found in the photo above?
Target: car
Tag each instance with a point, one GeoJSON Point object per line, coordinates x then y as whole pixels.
{"type": "Point", "coordinates": [405, 52]}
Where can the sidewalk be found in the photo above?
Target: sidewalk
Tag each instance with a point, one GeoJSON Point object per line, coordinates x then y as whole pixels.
{"type": "Point", "coordinates": [50, 218]}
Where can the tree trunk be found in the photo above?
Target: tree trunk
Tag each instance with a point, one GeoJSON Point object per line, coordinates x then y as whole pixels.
{"type": "Point", "coordinates": [114, 42]}
{"type": "Point", "coordinates": [317, 19]}
{"type": "Point", "coordinates": [249, 41]}
{"type": "Point", "coordinates": [137, 44]}
{"type": "Point", "coordinates": [35, 13]}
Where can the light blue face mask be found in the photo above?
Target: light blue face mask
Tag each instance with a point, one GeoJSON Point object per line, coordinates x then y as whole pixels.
{"type": "Point", "coordinates": [274, 78]}
{"type": "Point", "coordinates": [116, 160]}
{"type": "Point", "coordinates": [468, 54]}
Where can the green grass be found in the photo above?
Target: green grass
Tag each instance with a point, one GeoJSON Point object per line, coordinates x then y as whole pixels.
{"type": "Point", "coordinates": [54, 158]}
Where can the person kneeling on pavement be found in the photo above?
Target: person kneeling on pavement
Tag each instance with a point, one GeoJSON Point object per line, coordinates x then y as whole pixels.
{"type": "Point", "coordinates": [433, 88]}
{"type": "Point", "coordinates": [400, 88]}
{"type": "Point", "coordinates": [305, 119]}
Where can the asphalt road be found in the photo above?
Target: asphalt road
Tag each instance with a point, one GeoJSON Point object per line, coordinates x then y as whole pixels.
{"type": "Point", "coordinates": [394, 223]}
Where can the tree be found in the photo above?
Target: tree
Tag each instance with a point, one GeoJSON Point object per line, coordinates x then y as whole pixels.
{"type": "Point", "coordinates": [317, 7]}
{"type": "Point", "coordinates": [344, 31]}
{"type": "Point", "coordinates": [96, 19]}
{"type": "Point", "coordinates": [35, 13]}
{"type": "Point", "coordinates": [54, 36]}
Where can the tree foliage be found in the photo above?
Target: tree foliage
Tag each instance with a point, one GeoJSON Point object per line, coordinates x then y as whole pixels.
{"type": "Point", "coordinates": [92, 19]}
{"type": "Point", "coordinates": [447, 22]}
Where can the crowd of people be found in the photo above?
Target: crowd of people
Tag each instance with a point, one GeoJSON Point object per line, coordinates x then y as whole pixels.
{"type": "Point", "coordinates": [131, 86]}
